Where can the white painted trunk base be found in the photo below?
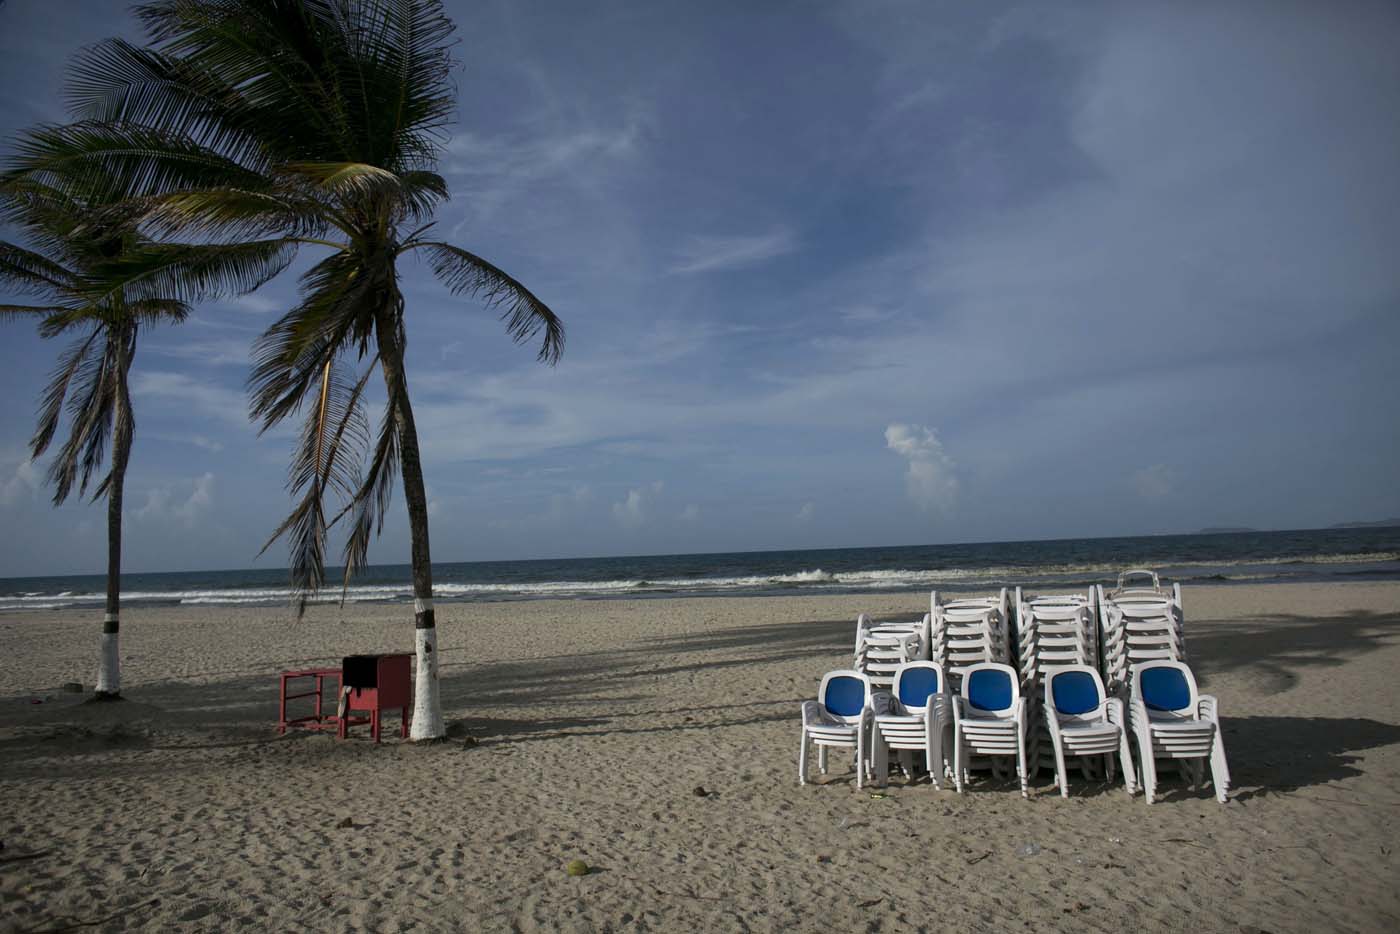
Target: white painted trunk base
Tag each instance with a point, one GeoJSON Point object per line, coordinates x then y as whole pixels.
{"type": "Point", "coordinates": [109, 678]}
{"type": "Point", "coordinates": [427, 704]}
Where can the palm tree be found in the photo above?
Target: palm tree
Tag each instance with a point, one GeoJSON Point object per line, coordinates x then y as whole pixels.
{"type": "Point", "coordinates": [320, 121]}
{"type": "Point", "coordinates": [95, 275]}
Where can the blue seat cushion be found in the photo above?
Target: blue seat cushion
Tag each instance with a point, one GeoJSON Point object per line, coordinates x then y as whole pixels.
{"type": "Point", "coordinates": [1075, 692]}
{"type": "Point", "coordinates": [989, 689]}
{"type": "Point", "coordinates": [916, 685]}
{"type": "Point", "coordinates": [845, 697]}
{"type": "Point", "coordinates": [1165, 689]}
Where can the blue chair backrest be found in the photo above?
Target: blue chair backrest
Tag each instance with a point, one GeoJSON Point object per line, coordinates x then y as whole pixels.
{"type": "Point", "coordinates": [845, 696]}
{"type": "Point", "coordinates": [917, 685]}
{"type": "Point", "coordinates": [1165, 689]}
{"type": "Point", "coordinates": [1075, 692]}
{"type": "Point", "coordinates": [989, 689]}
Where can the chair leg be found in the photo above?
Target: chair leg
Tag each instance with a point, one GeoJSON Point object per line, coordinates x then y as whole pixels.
{"type": "Point", "coordinates": [1125, 758]}
{"type": "Point", "coordinates": [1149, 767]}
{"type": "Point", "coordinates": [802, 760]}
{"type": "Point", "coordinates": [821, 759]}
{"type": "Point", "coordinates": [860, 758]}
{"type": "Point", "coordinates": [1219, 770]}
{"type": "Point", "coordinates": [1021, 767]}
{"type": "Point", "coordinates": [959, 776]}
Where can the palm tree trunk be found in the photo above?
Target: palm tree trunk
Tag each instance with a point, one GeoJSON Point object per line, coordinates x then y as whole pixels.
{"type": "Point", "coordinates": [109, 667]}
{"type": "Point", "coordinates": [427, 705]}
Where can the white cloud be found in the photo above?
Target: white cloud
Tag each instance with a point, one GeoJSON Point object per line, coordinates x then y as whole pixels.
{"type": "Point", "coordinates": [931, 481]}
{"type": "Point", "coordinates": [255, 304]}
{"type": "Point", "coordinates": [185, 392]}
{"type": "Point", "coordinates": [707, 254]}
{"type": "Point", "coordinates": [1155, 482]}
{"type": "Point", "coordinates": [632, 511]}
{"type": "Point", "coordinates": [806, 513]}
{"type": "Point", "coordinates": [22, 482]}
{"type": "Point", "coordinates": [690, 513]}
{"type": "Point", "coordinates": [163, 502]}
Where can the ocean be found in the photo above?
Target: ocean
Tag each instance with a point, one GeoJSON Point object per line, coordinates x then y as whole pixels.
{"type": "Point", "coordinates": [1216, 559]}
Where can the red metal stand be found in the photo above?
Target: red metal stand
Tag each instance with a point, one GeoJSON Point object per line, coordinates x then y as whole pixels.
{"type": "Point", "coordinates": [320, 719]}
{"type": "Point", "coordinates": [375, 684]}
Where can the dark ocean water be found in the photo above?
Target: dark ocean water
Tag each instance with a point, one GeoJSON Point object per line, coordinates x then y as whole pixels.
{"type": "Point", "coordinates": [1247, 557]}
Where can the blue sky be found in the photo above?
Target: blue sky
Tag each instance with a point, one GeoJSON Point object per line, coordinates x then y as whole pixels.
{"type": "Point", "coordinates": [834, 274]}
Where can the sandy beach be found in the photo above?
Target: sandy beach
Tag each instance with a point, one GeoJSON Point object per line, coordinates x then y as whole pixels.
{"type": "Point", "coordinates": [587, 729]}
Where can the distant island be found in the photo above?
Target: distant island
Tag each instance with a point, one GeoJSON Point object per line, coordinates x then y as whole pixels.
{"type": "Point", "coordinates": [1229, 529]}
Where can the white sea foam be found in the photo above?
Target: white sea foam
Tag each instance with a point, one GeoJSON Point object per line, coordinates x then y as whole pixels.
{"type": "Point", "coordinates": [814, 579]}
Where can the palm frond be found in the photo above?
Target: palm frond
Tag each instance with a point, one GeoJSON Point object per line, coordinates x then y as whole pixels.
{"type": "Point", "coordinates": [289, 355]}
{"type": "Point", "coordinates": [189, 272]}
{"type": "Point", "coordinates": [51, 403]}
{"type": "Point", "coordinates": [334, 436]}
{"type": "Point", "coordinates": [371, 501]}
{"type": "Point", "coordinates": [113, 162]}
{"type": "Point", "coordinates": [524, 314]}
{"type": "Point", "coordinates": [91, 407]}
{"type": "Point", "coordinates": [29, 273]}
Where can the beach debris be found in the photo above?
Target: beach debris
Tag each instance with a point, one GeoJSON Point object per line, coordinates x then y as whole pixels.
{"type": "Point", "coordinates": [1199, 846]}
{"type": "Point", "coordinates": [73, 687]}
{"type": "Point", "coordinates": [1115, 839]}
{"type": "Point", "coordinates": [346, 823]}
{"type": "Point", "coordinates": [700, 792]}
{"type": "Point", "coordinates": [870, 904]}
{"type": "Point", "coordinates": [577, 867]}
{"type": "Point", "coordinates": [1028, 849]}
{"type": "Point", "coordinates": [973, 860]}
{"type": "Point", "coordinates": [877, 795]}
{"type": "Point", "coordinates": [823, 857]}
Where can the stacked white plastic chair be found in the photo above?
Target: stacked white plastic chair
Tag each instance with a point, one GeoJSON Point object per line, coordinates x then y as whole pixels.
{"type": "Point", "coordinates": [1170, 720]}
{"type": "Point", "coordinates": [882, 647]}
{"type": "Point", "coordinates": [1052, 632]}
{"type": "Point", "coordinates": [1084, 721]}
{"type": "Point", "coordinates": [839, 717]}
{"type": "Point", "coordinates": [916, 716]}
{"type": "Point", "coordinates": [968, 631]}
{"type": "Point", "coordinates": [989, 720]}
{"type": "Point", "coordinates": [1140, 624]}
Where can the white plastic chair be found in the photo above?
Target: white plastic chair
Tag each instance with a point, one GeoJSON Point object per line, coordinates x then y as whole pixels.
{"type": "Point", "coordinates": [1084, 721]}
{"type": "Point", "coordinates": [989, 719]}
{"type": "Point", "coordinates": [883, 646]}
{"type": "Point", "coordinates": [840, 716]}
{"type": "Point", "coordinates": [914, 716]}
{"type": "Point", "coordinates": [1170, 720]}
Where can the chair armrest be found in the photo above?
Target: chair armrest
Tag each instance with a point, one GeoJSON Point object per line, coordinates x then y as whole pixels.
{"type": "Point", "coordinates": [1208, 708]}
{"type": "Point", "coordinates": [1114, 711]}
{"type": "Point", "coordinates": [813, 712]}
{"type": "Point", "coordinates": [882, 703]}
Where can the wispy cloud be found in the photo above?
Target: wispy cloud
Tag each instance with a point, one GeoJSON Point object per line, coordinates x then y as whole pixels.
{"type": "Point", "coordinates": [1155, 482]}
{"type": "Point", "coordinates": [806, 513]}
{"type": "Point", "coordinates": [710, 254]}
{"type": "Point", "coordinates": [167, 502]}
{"type": "Point", "coordinates": [633, 511]}
{"type": "Point", "coordinates": [184, 391]}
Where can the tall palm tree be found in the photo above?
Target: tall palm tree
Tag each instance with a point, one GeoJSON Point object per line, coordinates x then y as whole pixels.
{"type": "Point", "coordinates": [95, 275]}
{"type": "Point", "coordinates": [320, 121]}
